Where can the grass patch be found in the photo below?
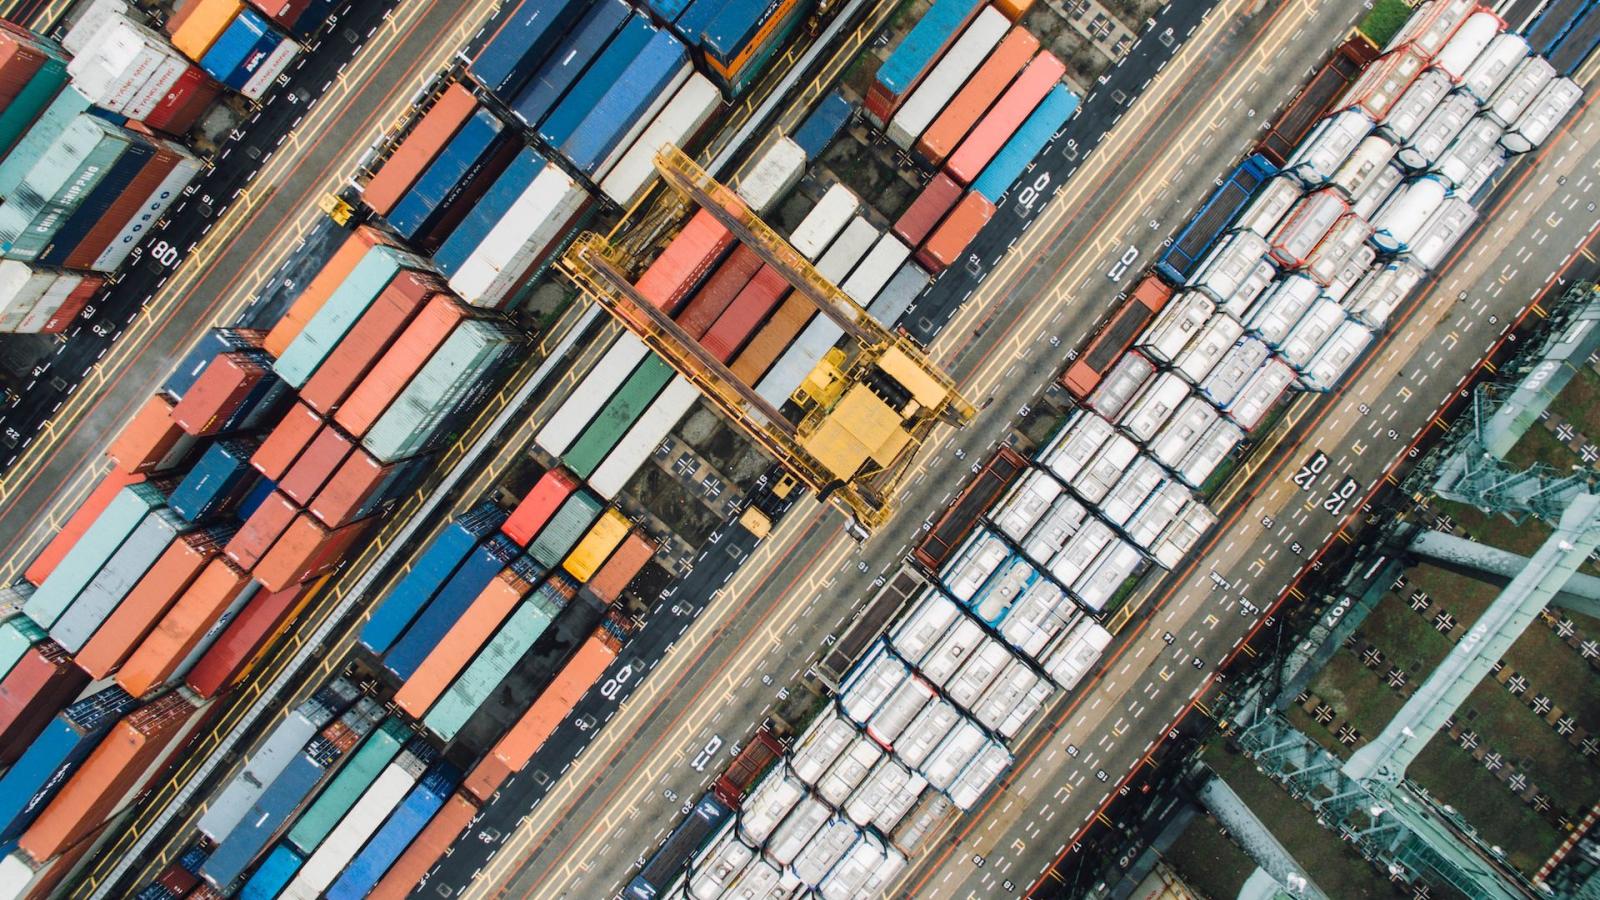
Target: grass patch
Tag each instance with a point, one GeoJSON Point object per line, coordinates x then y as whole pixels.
{"type": "Point", "coordinates": [1495, 530]}
{"type": "Point", "coordinates": [1557, 671]}
{"type": "Point", "coordinates": [1505, 724]}
{"type": "Point", "coordinates": [1538, 445]}
{"type": "Point", "coordinates": [1209, 861]}
{"type": "Point", "coordinates": [1332, 864]}
{"type": "Point", "coordinates": [1464, 596]}
{"type": "Point", "coordinates": [1407, 639]}
{"type": "Point", "coordinates": [1500, 818]}
{"type": "Point", "coordinates": [1385, 20]}
{"type": "Point", "coordinates": [1360, 696]}
{"type": "Point", "coordinates": [1579, 402]}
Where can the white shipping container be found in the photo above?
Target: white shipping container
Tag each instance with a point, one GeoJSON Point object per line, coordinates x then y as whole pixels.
{"type": "Point", "coordinates": [1382, 290]}
{"type": "Point", "coordinates": [1182, 431]}
{"type": "Point", "coordinates": [118, 61]}
{"type": "Point", "coordinates": [972, 566]}
{"type": "Point", "coordinates": [886, 780]}
{"type": "Point", "coordinates": [848, 250]}
{"type": "Point", "coordinates": [1517, 92]}
{"type": "Point", "coordinates": [1025, 504]}
{"type": "Point", "coordinates": [906, 794]}
{"type": "Point", "coordinates": [761, 879]}
{"type": "Point", "coordinates": [1261, 393]}
{"type": "Point", "coordinates": [266, 74]}
{"type": "Point", "coordinates": [1074, 559]}
{"type": "Point", "coordinates": [1203, 460]}
{"type": "Point", "coordinates": [818, 229]}
{"type": "Point", "coordinates": [993, 603]}
{"type": "Point", "coordinates": [1117, 563]}
{"type": "Point", "coordinates": [1155, 403]}
{"type": "Point", "coordinates": [1229, 265]}
{"type": "Point", "coordinates": [927, 622]}
{"type": "Point", "coordinates": [1095, 481]}
{"type": "Point", "coordinates": [1389, 177]}
{"type": "Point", "coordinates": [614, 367]}
{"type": "Point", "coordinates": [1235, 368]}
{"type": "Point", "coordinates": [1120, 385]}
{"type": "Point", "coordinates": [1269, 206]}
{"type": "Point", "coordinates": [773, 174]}
{"type": "Point", "coordinates": [528, 230]}
{"type": "Point", "coordinates": [21, 288]}
{"type": "Point", "coordinates": [150, 212]}
{"type": "Point", "coordinates": [143, 102]}
{"type": "Point", "coordinates": [1462, 50]}
{"type": "Point", "coordinates": [1072, 656]}
{"type": "Point", "coordinates": [1356, 265]}
{"type": "Point", "coordinates": [824, 850]}
{"type": "Point", "coordinates": [897, 712]}
{"type": "Point", "coordinates": [872, 274]}
{"type": "Point", "coordinates": [1080, 439]}
{"type": "Point", "coordinates": [644, 437]}
{"type": "Point", "coordinates": [1176, 326]}
{"type": "Point", "coordinates": [1436, 132]}
{"type": "Point", "coordinates": [1463, 158]}
{"type": "Point", "coordinates": [1494, 65]}
{"type": "Point", "coordinates": [1026, 708]}
{"type": "Point", "coordinates": [1323, 150]}
{"type": "Point", "coordinates": [1005, 694]}
{"type": "Point", "coordinates": [1485, 170]}
{"type": "Point", "coordinates": [1364, 166]}
{"type": "Point", "coordinates": [280, 747]}
{"type": "Point", "coordinates": [46, 308]}
{"type": "Point", "coordinates": [1282, 308]}
{"type": "Point", "coordinates": [1336, 356]}
{"type": "Point", "coordinates": [770, 800]}
{"type": "Point", "coordinates": [94, 17]}
{"type": "Point", "coordinates": [979, 776]}
{"type": "Point", "coordinates": [1540, 118]}
{"type": "Point", "coordinates": [1308, 335]}
{"type": "Point", "coordinates": [897, 297]}
{"type": "Point", "coordinates": [353, 830]}
{"type": "Point", "coordinates": [823, 741]}
{"type": "Point", "coordinates": [934, 93]}
{"type": "Point", "coordinates": [1306, 225]}
{"type": "Point", "coordinates": [1037, 616]}
{"type": "Point", "coordinates": [1195, 363]}
{"type": "Point", "coordinates": [682, 116]}
{"type": "Point", "coordinates": [1050, 535]}
{"type": "Point", "coordinates": [1142, 479]}
{"type": "Point", "coordinates": [1336, 252]}
{"type": "Point", "coordinates": [637, 129]}
{"type": "Point", "coordinates": [1443, 230]}
{"type": "Point", "coordinates": [1415, 105]}
{"type": "Point", "coordinates": [1399, 219]}
{"type": "Point", "coordinates": [926, 731]}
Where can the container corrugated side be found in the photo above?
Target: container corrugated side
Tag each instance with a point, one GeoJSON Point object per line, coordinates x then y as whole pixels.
{"type": "Point", "coordinates": [642, 439]}
{"type": "Point", "coordinates": [947, 76]}
{"type": "Point", "coordinates": [97, 544]}
{"type": "Point", "coordinates": [602, 381]}
{"type": "Point", "coordinates": [616, 416]}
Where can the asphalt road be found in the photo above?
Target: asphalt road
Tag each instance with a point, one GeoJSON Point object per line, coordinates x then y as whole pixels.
{"type": "Point", "coordinates": [626, 790]}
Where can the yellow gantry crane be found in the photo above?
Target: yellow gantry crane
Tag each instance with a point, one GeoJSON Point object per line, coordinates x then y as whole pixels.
{"type": "Point", "coordinates": [866, 409]}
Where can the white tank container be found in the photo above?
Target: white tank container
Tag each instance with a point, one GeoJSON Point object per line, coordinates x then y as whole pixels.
{"type": "Point", "coordinates": [1415, 105]}
{"type": "Point", "coordinates": [1269, 206]}
{"type": "Point", "coordinates": [1364, 166]}
{"type": "Point", "coordinates": [1235, 368]}
{"type": "Point", "coordinates": [1282, 308]}
{"type": "Point", "coordinates": [1178, 323]}
{"type": "Point", "coordinates": [1443, 230]}
{"type": "Point", "coordinates": [1119, 386]}
{"type": "Point", "coordinates": [1336, 356]}
{"type": "Point", "coordinates": [1519, 89]}
{"type": "Point", "coordinates": [1437, 132]}
{"type": "Point", "coordinates": [1494, 65]}
{"type": "Point", "coordinates": [1214, 341]}
{"type": "Point", "coordinates": [1154, 404]}
{"type": "Point", "coordinates": [1403, 215]}
{"type": "Point", "coordinates": [1327, 146]}
{"type": "Point", "coordinates": [1541, 117]}
{"type": "Point", "coordinates": [1261, 393]}
{"type": "Point", "coordinates": [1182, 431]}
{"type": "Point", "coordinates": [1376, 297]}
{"type": "Point", "coordinates": [1309, 334]}
{"type": "Point", "coordinates": [1469, 41]}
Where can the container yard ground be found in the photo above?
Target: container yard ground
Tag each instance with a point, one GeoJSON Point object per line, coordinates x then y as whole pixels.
{"type": "Point", "coordinates": [1208, 859]}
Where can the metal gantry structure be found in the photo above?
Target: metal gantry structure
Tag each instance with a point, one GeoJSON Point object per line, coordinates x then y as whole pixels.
{"type": "Point", "coordinates": [862, 484]}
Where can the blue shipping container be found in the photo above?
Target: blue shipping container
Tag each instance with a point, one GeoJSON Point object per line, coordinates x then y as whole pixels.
{"type": "Point", "coordinates": [823, 125]}
{"type": "Point", "coordinates": [449, 604]}
{"type": "Point", "coordinates": [924, 44]}
{"type": "Point", "coordinates": [404, 824]}
{"type": "Point", "coordinates": [213, 342]}
{"type": "Point", "coordinates": [252, 501]}
{"type": "Point", "coordinates": [525, 40]}
{"type": "Point", "coordinates": [432, 569]}
{"type": "Point", "coordinates": [272, 811]}
{"type": "Point", "coordinates": [234, 44]}
{"type": "Point", "coordinates": [696, 19]}
{"type": "Point", "coordinates": [93, 208]}
{"type": "Point", "coordinates": [487, 211]}
{"type": "Point", "coordinates": [247, 67]}
{"type": "Point", "coordinates": [54, 755]}
{"type": "Point", "coordinates": [222, 474]}
{"type": "Point", "coordinates": [647, 79]}
{"type": "Point", "coordinates": [273, 876]}
{"type": "Point", "coordinates": [559, 72]}
{"type": "Point", "coordinates": [741, 42]}
{"type": "Point", "coordinates": [476, 139]}
{"type": "Point", "coordinates": [622, 50]}
{"type": "Point", "coordinates": [1036, 131]}
{"type": "Point", "coordinates": [667, 10]}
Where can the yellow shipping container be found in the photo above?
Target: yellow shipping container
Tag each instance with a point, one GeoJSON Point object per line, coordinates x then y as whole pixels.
{"type": "Point", "coordinates": [201, 27]}
{"type": "Point", "coordinates": [597, 545]}
{"type": "Point", "coordinates": [1013, 9]}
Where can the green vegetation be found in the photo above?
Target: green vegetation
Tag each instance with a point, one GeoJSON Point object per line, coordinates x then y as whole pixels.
{"type": "Point", "coordinates": [1385, 20]}
{"type": "Point", "coordinates": [1538, 445]}
{"type": "Point", "coordinates": [1465, 597]}
{"type": "Point", "coordinates": [1495, 530]}
{"type": "Point", "coordinates": [1209, 861]}
{"type": "Point", "coordinates": [1500, 818]}
{"type": "Point", "coordinates": [1409, 640]}
{"type": "Point", "coordinates": [1360, 696]}
{"type": "Point", "coordinates": [1579, 402]}
{"type": "Point", "coordinates": [1556, 670]}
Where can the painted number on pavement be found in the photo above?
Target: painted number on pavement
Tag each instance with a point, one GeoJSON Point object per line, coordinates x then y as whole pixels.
{"type": "Point", "coordinates": [1341, 495]}
{"type": "Point", "coordinates": [1307, 476]}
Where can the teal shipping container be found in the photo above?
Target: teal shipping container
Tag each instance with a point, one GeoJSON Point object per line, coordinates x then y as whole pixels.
{"type": "Point", "coordinates": [17, 634]}
{"type": "Point", "coordinates": [58, 183]}
{"type": "Point", "coordinates": [104, 593]}
{"type": "Point", "coordinates": [375, 753]}
{"type": "Point", "coordinates": [43, 93]}
{"type": "Point", "coordinates": [118, 520]}
{"type": "Point", "coordinates": [353, 296]}
{"type": "Point", "coordinates": [413, 422]}
{"type": "Point", "coordinates": [565, 528]}
{"type": "Point", "coordinates": [473, 686]}
{"type": "Point", "coordinates": [617, 416]}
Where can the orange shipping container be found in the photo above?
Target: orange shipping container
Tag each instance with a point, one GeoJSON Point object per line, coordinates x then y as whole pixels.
{"type": "Point", "coordinates": [1001, 122]}
{"type": "Point", "coordinates": [1014, 9]}
{"type": "Point", "coordinates": [513, 750]}
{"type": "Point", "coordinates": [419, 148]}
{"type": "Point", "coordinates": [218, 393]}
{"type": "Point", "coordinates": [322, 287]}
{"type": "Point", "coordinates": [114, 771]}
{"type": "Point", "coordinates": [326, 452]}
{"type": "Point", "coordinates": [306, 550]}
{"type": "Point", "coordinates": [284, 443]}
{"type": "Point", "coordinates": [200, 23]}
{"type": "Point", "coordinates": [259, 532]}
{"type": "Point", "coordinates": [928, 210]}
{"type": "Point", "coordinates": [461, 642]}
{"type": "Point", "coordinates": [773, 338]}
{"type": "Point", "coordinates": [246, 638]}
{"type": "Point", "coordinates": [40, 685]}
{"type": "Point", "coordinates": [180, 630]}
{"type": "Point", "coordinates": [614, 577]}
{"type": "Point", "coordinates": [399, 362]}
{"type": "Point", "coordinates": [359, 349]}
{"type": "Point", "coordinates": [80, 520]}
{"type": "Point", "coordinates": [959, 228]}
{"type": "Point", "coordinates": [147, 438]}
{"type": "Point", "coordinates": [694, 252]}
{"type": "Point", "coordinates": [977, 96]}
{"type": "Point", "coordinates": [144, 606]}
{"type": "Point", "coordinates": [349, 489]}
{"type": "Point", "coordinates": [425, 850]}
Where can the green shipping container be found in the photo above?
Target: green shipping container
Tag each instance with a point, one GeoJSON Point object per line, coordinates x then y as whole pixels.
{"type": "Point", "coordinates": [346, 788]}
{"type": "Point", "coordinates": [473, 686]}
{"type": "Point", "coordinates": [353, 297]}
{"type": "Point", "coordinates": [443, 385]}
{"type": "Point", "coordinates": [565, 528]}
{"type": "Point", "coordinates": [625, 408]}
{"type": "Point", "coordinates": [118, 520]}
{"type": "Point", "coordinates": [17, 634]}
{"type": "Point", "coordinates": [41, 100]}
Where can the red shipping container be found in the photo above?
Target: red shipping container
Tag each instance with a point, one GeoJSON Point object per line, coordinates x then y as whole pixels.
{"type": "Point", "coordinates": [148, 437]}
{"type": "Point", "coordinates": [283, 444]}
{"type": "Point", "coordinates": [357, 479]}
{"type": "Point", "coordinates": [118, 766]}
{"type": "Point", "coordinates": [377, 328]}
{"type": "Point", "coordinates": [74, 303]}
{"type": "Point", "coordinates": [977, 96]}
{"type": "Point", "coordinates": [40, 685]}
{"type": "Point", "coordinates": [182, 628]}
{"type": "Point", "coordinates": [321, 287]}
{"type": "Point", "coordinates": [19, 60]}
{"type": "Point", "coordinates": [399, 363]}
{"type": "Point", "coordinates": [1001, 122]}
{"type": "Point", "coordinates": [146, 603]}
{"type": "Point", "coordinates": [241, 643]}
{"type": "Point", "coordinates": [419, 148]}
{"type": "Point", "coordinates": [951, 240]}
{"type": "Point", "coordinates": [306, 550]}
{"type": "Point", "coordinates": [673, 276]}
{"type": "Point", "coordinates": [538, 506]}
{"type": "Point", "coordinates": [925, 212]}
{"type": "Point", "coordinates": [620, 570]}
{"type": "Point", "coordinates": [259, 532]}
{"type": "Point", "coordinates": [128, 204]}
{"type": "Point", "coordinates": [719, 291]}
{"type": "Point", "coordinates": [326, 452]}
{"type": "Point", "coordinates": [748, 310]}
{"type": "Point", "coordinates": [218, 393]}
{"type": "Point", "coordinates": [283, 12]}
{"type": "Point", "coordinates": [80, 520]}
{"type": "Point", "coordinates": [188, 98]}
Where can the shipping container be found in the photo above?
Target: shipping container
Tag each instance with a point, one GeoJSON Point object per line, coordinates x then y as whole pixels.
{"type": "Point", "coordinates": [949, 241]}
{"type": "Point", "coordinates": [897, 296]}
{"type": "Point", "coordinates": [748, 309]}
{"type": "Point", "coordinates": [974, 154]}
{"type": "Point", "coordinates": [642, 439]}
{"type": "Point", "coordinates": [1263, 213]}
{"type": "Point", "coordinates": [149, 438]}
{"type": "Point", "coordinates": [399, 362]}
{"type": "Point", "coordinates": [743, 37]}
{"type": "Point", "coordinates": [41, 684]}
{"type": "Point", "coordinates": [916, 54]}
{"type": "Point", "coordinates": [608, 374]}
{"type": "Point", "coordinates": [616, 416]}
{"type": "Point", "coordinates": [217, 483]}
{"type": "Point", "coordinates": [134, 208]}
{"type": "Point", "coordinates": [422, 416]}
{"type": "Point", "coordinates": [1436, 132]}
{"type": "Point", "coordinates": [273, 875]}
{"type": "Point", "coordinates": [1041, 126]}
{"type": "Point", "coordinates": [354, 777]}
{"type": "Point", "coordinates": [980, 92]}
{"type": "Point", "coordinates": [122, 570]}
{"type": "Point", "coordinates": [523, 40]}
{"type": "Point", "coordinates": [473, 630]}
{"type": "Point", "coordinates": [316, 464]}
{"type": "Point", "coordinates": [365, 818]}
{"type": "Point", "coordinates": [33, 122]}
{"type": "Point", "coordinates": [97, 545]}
{"type": "Point", "coordinates": [1116, 336]}
{"type": "Point", "coordinates": [597, 545]}
{"type": "Point", "coordinates": [1237, 365]}
{"type": "Point", "coordinates": [283, 445]}
{"type": "Point", "coordinates": [823, 124]}
{"type": "Point", "coordinates": [564, 529]}
{"type": "Point", "coordinates": [360, 876]}
{"type": "Point", "coordinates": [641, 89]}
{"type": "Point", "coordinates": [1539, 120]}
{"type": "Point", "coordinates": [44, 767]}
{"type": "Point", "coordinates": [427, 575]}
{"type": "Point", "coordinates": [1472, 150]}
{"type": "Point", "coordinates": [950, 529]}
{"type": "Point", "coordinates": [1305, 226]}
{"type": "Point", "coordinates": [453, 599]}
{"type": "Point", "coordinates": [1260, 394]}
{"type": "Point", "coordinates": [239, 645]}
{"type": "Point", "coordinates": [223, 393]}
{"type": "Point", "coordinates": [306, 549]}
{"type": "Point", "coordinates": [875, 270]}
{"type": "Point", "coordinates": [18, 633]}
{"type": "Point", "coordinates": [946, 77]}
{"type": "Point", "coordinates": [425, 851]}
{"type": "Point", "coordinates": [678, 122]}
{"type": "Point", "coordinates": [769, 176]}
{"type": "Point", "coordinates": [691, 255]}
{"type": "Point", "coordinates": [418, 148]}
{"type": "Point", "coordinates": [711, 301]}
{"type": "Point", "coordinates": [487, 212]}
{"type": "Point", "coordinates": [1518, 91]}
{"type": "Point", "coordinates": [73, 229]}
{"type": "Point", "coordinates": [522, 241]}
{"type": "Point", "coordinates": [382, 285]}
{"type": "Point", "coordinates": [321, 287]}
{"type": "Point", "coordinates": [220, 586]}
{"type": "Point", "coordinates": [780, 330]}
{"type": "Point", "coordinates": [479, 143]}
{"type": "Point", "coordinates": [936, 199]}
{"type": "Point", "coordinates": [357, 489]}
{"type": "Point", "coordinates": [1402, 216]}
{"type": "Point", "coordinates": [623, 48]}
{"type": "Point", "coordinates": [261, 530]}
{"type": "Point", "coordinates": [562, 68]}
